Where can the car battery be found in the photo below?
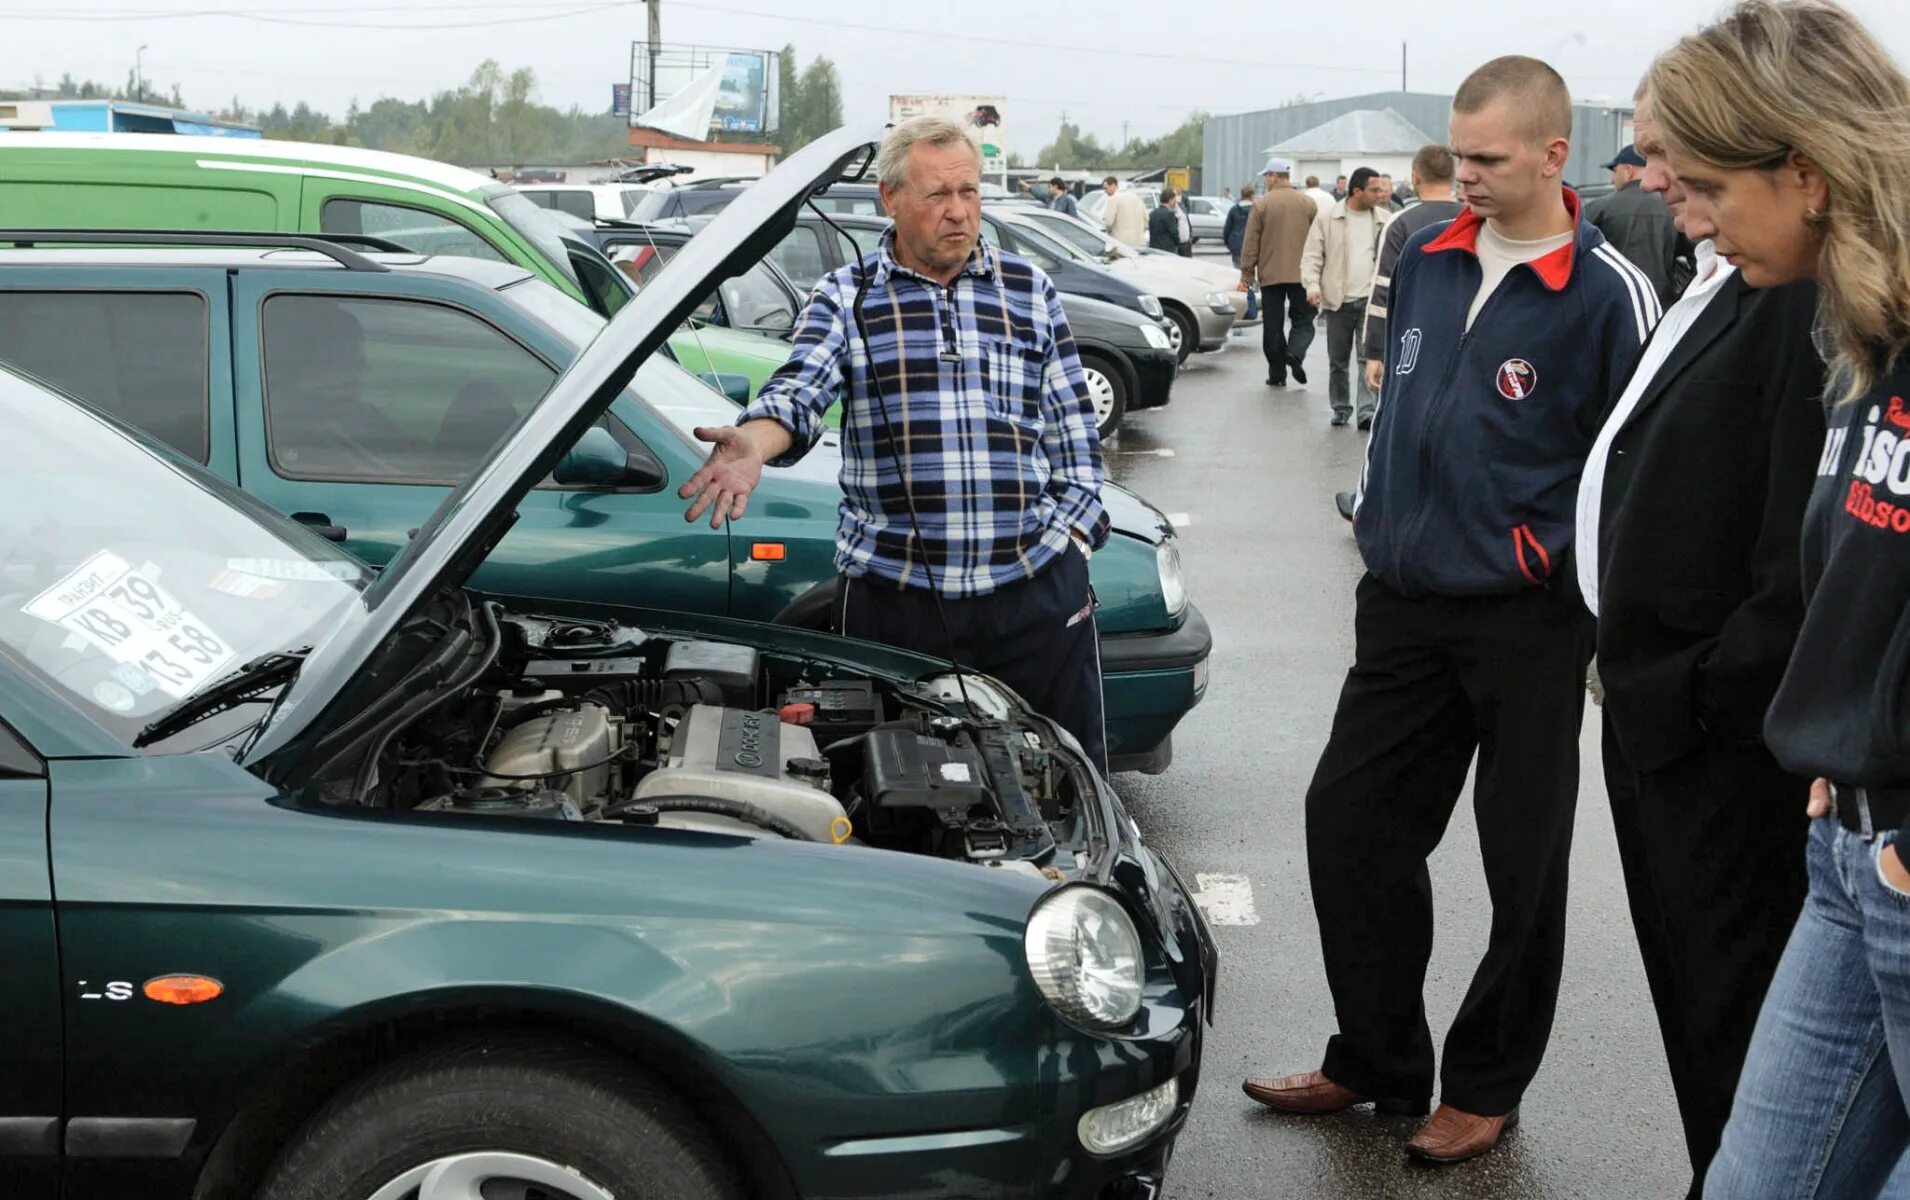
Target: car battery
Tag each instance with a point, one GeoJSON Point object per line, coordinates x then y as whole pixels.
{"type": "Point", "coordinates": [844, 708]}
{"type": "Point", "coordinates": [905, 769]}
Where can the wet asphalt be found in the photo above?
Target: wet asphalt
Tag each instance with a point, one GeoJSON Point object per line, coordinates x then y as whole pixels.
{"type": "Point", "coordinates": [1252, 472]}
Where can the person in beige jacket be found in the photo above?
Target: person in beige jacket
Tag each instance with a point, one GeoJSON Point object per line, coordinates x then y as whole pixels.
{"type": "Point", "coordinates": [1336, 268]}
{"type": "Point", "coordinates": [1276, 235]}
{"type": "Point", "coordinates": [1125, 216]}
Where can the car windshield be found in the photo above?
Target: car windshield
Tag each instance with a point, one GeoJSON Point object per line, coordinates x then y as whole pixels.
{"type": "Point", "coordinates": [681, 398]}
{"type": "Point", "coordinates": [131, 580]}
{"type": "Point", "coordinates": [535, 225]}
{"type": "Point", "coordinates": [1053, 247]}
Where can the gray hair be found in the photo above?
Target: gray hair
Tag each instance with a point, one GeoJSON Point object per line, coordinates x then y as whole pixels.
{"type": "Point", "coordinates": [892, 160]}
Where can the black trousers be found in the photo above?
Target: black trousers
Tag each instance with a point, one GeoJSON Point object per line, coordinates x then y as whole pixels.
{"type": "Point", "coordinates": [1713, 852]}
{"type": "Point", "coordinates": [1435, 679]}
{"type": "Point", "coordinates": [1289, 339]}
{"type": "Point", "coordinates": [1037, 636]}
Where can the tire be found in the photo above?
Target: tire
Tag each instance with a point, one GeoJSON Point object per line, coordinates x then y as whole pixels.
{"type": "Point", "coordinates": [1107, 388]}
{"type": "Point", "coordinates": [573, 1121]}
{"type": "Point", "coordinates": [1185, 333]}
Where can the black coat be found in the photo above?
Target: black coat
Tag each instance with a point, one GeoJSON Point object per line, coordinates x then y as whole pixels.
{"type": "Point", "coordinates": [1163, 229]}
{"type": "Point", "coordinates": [1700, 591]}
{"type": "Point", "coordinates": [1639, 226]}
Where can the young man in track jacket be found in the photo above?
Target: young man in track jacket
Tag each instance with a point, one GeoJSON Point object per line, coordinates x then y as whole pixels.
{"type": "Point", "coordinates": [1511, 329]}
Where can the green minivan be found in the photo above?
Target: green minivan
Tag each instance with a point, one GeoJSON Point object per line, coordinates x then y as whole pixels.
{"type": "Point", "coordinates": [168, 182]}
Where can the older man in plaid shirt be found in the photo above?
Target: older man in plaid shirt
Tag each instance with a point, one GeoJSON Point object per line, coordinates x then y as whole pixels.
{"type": "Point", "coordinates": [966, 401]}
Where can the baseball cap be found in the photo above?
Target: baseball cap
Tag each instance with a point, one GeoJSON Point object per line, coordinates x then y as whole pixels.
{"type": "Point", "coordinates": [1628, 157]}
{"type": "Point", "coordinates": [1277, 166]}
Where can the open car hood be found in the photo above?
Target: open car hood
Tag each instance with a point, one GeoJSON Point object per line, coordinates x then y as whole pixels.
{"type": "Point", "coordinates": [476, 515]}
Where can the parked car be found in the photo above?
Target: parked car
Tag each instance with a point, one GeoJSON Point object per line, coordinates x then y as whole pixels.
{"type": "Point", "coordinates": [1095, 200]}
{"type": "Point", "coordinates": [1201, 315]}
{"type": "Point", "coordinates": [353, 391]}
{"type": "Point", "coordinates": [1091, 239]}
{"type": "Point", "coordinates": [1207, 215]}
{"type": "Point", "coordinates": [154, 182]}
{"type": "Point", "coordinates": [675, 202]}
{"type": "Point", "coordinates": [590, 201]}
{"type": "Point", "coordinates": [364, 885]}
{"type": "Point", "coordinates": [1128, 360]}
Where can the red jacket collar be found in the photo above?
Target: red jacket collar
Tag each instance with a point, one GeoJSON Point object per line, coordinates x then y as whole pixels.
{"type": "Point", "coordinates": [1553, 270]}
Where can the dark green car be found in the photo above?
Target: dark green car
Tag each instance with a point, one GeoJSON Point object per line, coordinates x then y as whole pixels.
{"type": "Point", "coordinates": [327, 885]}
{"type": "Point", "coordinates": [354, 390]}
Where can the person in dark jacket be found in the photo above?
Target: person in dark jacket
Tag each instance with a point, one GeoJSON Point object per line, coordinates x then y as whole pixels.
{"type": "Point", "coordinates": [1784, 124]}
{"type": "Point", "coordinates": [1688, 555]}
{"type": "Point", "coordinates": [1234, 233]}
{"type": "Point", "coordinates": [1639, 226]}
{"type": "Point", "coordinates": [1058, 198]}
{"type": "Point", "coordinates": [1511, 327]}
{"type": "Point", "coordinates": [1163, 224]}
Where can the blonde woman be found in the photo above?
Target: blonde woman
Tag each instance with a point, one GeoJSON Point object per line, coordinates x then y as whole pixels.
{"type": "Point", "coordinates": [1788, 126]}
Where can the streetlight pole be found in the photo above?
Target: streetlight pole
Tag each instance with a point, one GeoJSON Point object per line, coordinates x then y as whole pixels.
{"type": "Point", "coordinates": [139, 74]}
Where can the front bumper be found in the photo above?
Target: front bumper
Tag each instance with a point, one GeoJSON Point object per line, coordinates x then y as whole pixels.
{"type": "Point", "coordinates": [1154, 372]}
{"type": "Point", "coordinates": [1042, 1157]}
{"type": "Point", "coordinates": [1214, 326]}
{"type": "Point", "coordinates": [1149, 681]}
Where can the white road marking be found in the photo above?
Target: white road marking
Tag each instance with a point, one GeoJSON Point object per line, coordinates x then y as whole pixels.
{"type": "Point", "coordinates": [1143, 453]}
{"type": "Point", "coordinates": [1180, 520]}
{"type": "Point", "coordinates": [1226, 899]}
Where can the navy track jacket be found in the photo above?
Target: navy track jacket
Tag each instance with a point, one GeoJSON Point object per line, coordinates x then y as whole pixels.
{"type": "Point", "coordinates": [1472, 473]}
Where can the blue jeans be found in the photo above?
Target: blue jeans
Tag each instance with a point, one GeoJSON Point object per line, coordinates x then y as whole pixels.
{"type": "Point", "coordinates": [1820, 1109]}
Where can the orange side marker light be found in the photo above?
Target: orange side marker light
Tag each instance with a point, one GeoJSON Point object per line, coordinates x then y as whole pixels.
{"type": "Point", "coordinates": [183, 989]}
{"type": "Point", "coordinates": [767, 551]}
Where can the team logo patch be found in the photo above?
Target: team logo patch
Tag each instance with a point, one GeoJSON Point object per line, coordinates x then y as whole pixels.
{"type": "Point", "coordinates": [1517, 379]}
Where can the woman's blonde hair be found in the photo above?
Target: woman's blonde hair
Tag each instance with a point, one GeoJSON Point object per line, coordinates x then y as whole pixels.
{"type": "Point", "coordinates": [1777, 76]}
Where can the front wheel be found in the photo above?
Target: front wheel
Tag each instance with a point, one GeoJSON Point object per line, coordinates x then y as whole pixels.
{"type": "Point", "coordinates": [503, 1119]}
{"type": "Point", "coordinates": [1107, 389]}
{"type": "Point", "coordinates": [1183, 333]}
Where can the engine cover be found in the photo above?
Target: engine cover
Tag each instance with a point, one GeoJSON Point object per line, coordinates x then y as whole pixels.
{"type": "Point", "coordinates": [585, 738]}
{"type": "Point", "coordinates": [742, 755]}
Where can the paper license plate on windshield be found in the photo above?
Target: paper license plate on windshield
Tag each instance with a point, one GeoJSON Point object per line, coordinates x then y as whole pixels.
{"type": "Point", "coordinates": [127, 616]}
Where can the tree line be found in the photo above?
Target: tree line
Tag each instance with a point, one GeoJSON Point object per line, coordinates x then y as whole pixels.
{"type": "Point", "coordinates": [1074, 150]}
{"type": "Point", "coordinates": [493, 119]}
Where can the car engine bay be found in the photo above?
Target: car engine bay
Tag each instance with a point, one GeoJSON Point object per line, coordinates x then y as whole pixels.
{"type": "Point", "coordinates": [588, 720]}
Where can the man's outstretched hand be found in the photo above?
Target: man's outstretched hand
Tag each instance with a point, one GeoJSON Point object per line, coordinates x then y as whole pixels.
{"type": "Point", "coordinates": [722, 484]}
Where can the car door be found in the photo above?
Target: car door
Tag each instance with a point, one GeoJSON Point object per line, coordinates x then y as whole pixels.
{"type": "Point", "coordinates": [151, 346]}
{"type": "Point", "coordinates": [31, 1037]}
{"type": "Point", "coordinates": [360, 406]}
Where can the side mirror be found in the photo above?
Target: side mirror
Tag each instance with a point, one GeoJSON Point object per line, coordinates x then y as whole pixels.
{"type": "Point", "coordinates": [595, 461]}
{"type": "Point", "coordinates": [732, 384]}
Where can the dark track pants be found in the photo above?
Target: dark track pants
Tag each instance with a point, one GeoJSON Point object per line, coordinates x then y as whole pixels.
{"type": "Point", "coordinates": [1286, 329]}
{"type": "Point", "coordinates": [1030, 635]}
{"type": "Point", "coordinates": [1435, 679]}
{"type": "Point", "coordinates": [1713, 850]}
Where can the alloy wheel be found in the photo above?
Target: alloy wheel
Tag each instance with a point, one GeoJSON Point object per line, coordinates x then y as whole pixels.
{"type": "Point", "coordinates": [490, 1175]}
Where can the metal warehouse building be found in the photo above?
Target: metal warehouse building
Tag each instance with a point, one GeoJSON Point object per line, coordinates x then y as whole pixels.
{"type": "Point", "coordinates": [1235, 146]}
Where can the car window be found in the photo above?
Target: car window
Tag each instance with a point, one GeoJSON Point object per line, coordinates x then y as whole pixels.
{"type": "Point", "coordinates": [393, 391]}
{"type": "Point", "coordinates": [607, 293]}
{"type": "Point", "coordinates": [866, 240]}
{"type": "Point", "coordinates": [854, 205]}
{"type": "Point", "coordinates": [141, 356]}
{"type": "Point", "coordinates": [639, 260]}
{"type": "Point", "coordinates": [413, 228]}
{"type": "Point", "coordinates": [801, 257]}
{"type": "Point", "coordinates": [1085, 240]}
{"type": "Point", "coordinates": [576, 203]}
{"type": "Point", "coordinates": [1029, 240]}
{"type": "Point", "coordinates": [632, 196]}
{"type": "Point", "coordinates": [755, 301]}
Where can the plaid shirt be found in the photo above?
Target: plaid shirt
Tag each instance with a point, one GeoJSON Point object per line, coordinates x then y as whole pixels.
{"type": "Point", "coordinates": [984, 392]}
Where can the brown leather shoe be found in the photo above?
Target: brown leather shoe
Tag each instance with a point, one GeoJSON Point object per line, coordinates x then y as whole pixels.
{"type": "Point", "coordinates": [1454, 1136]}
{"type": "Point", "coordinates": [1313, 1093]}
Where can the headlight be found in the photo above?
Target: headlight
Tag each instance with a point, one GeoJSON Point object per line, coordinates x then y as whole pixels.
{"type": "Point", "coordinates": [1220, 302]}
{"type": "Point", "coordinates": [1156, 337]}
{"type": "Point", "coordinates": [1086, 957]}
{"type": "Point", "coordinates": [1151, 305]}
{"type": "Point", "coordinates": [1173, 586]}
{"type": "Point", "coordinates": [1117, 1127]}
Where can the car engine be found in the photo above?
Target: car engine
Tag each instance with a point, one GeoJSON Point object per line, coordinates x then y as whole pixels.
{"type": "Point", "coordinates": [591, 721]}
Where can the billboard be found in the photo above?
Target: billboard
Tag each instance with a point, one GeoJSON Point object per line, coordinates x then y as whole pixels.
{"type": "Point", "coordinates": [744, 83]}
{"type": "Point", "coordinates": [619, 99]}
{"type": "Point", "coordinates": [980, 115]}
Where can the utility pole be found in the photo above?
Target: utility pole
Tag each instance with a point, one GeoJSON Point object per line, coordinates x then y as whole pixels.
{"type": "Point", "coordinates": [656, 44]}
{"type": "Point", "coordinates": [139, 74]}
{"type": "Point", "coordinates": [1402, 66]}
{"type": "Point", "coordinates": [1124, 135]}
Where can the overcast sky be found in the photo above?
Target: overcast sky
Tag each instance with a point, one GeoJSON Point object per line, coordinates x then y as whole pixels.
{"type": "Point", "coordinates": [1108, 64]}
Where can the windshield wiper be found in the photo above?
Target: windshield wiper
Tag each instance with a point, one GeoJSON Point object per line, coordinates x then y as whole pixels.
{"type": "Point", "coordinates": [242, 686]}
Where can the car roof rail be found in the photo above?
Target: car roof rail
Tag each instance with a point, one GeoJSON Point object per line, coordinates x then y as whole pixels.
{"type": "Point", "coordinates": [335, 246]}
